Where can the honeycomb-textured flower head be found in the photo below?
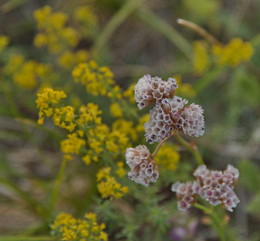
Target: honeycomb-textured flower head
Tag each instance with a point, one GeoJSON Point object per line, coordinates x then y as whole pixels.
{"type": "Point", "coordinates": [216, 187]}
{"type": "Point", "coordinates": [191, 121]}
{"type": "Point", "coordinates": [152, 89]}
{"type": "Point", "coordinates": [143, 169]}
{"type": "Point", "coordinates": [159, 126]}
{"type": "Point", "coordinates": [186, 193]}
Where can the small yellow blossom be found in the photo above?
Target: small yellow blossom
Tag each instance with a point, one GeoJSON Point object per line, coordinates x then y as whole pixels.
{"type": "Point", "coordinates": [67, 228]}
{"type": "Point", "coordinates": [64, 117]}
{"type": "Point", "coordinates": [108, 186]}
{"type": "Point", "coordinates": [126, 127]}
{"type": "Point", "coordinates": [46, 100]}
{"type": "Point", "coordinates": [120, 171]}
{"type": "Point", "coordinates": [142, 120]}
{"type": "Point", "coordinates": [184, 89]}
{"type": "Point", "coordinates": [116, 110]}
{"type": "Point", "coordinates": [200, 57]}
{"type": "Point", "coordinates": [167, 157]}
{"type": "Point", "coordinates": [97, 80]}
{"type": "Point", "coordinates": [72, 145]}
{"type": "Point", "coordinates": [129, 93]}
{"type": "Point", "coordinates": [233, 53]}
{"type": "Point", "coordinates": [4, 41]}
{"type": "Point", "coordinates": [89, 114]}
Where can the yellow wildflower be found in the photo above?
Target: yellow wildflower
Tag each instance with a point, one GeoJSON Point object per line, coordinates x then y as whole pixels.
{"type": "Point", "coordinates": [142, 120]}
{"type": "Point", "coordinates": [233, 53]}
{"type": "Point", "coordinates": [116, 110]}
{"type": "Point", "coordinates": [72, 145]}
{"type": "Point", "coordinates": [89, 114]}
{"type": "Point", "coordinates": [97, 80]}
{"type": "Point", "coordinates": [116, 142]}
{"type": "Point", "coordinates": [121, 172]}
{"type": "Point", "coordinates": [4, 41]}
{"type": "Point", "coordinates": [108, 186]}
{"type": "Point", "coordinates": [64, 118]}
{"type": "Point", "coordinates": [126, 127]}
{"type": "Point", "coordinates": [200, 57]}
{"type": "Point", "coordinates": [67, 228]}
{"type": "Point", "coordinates": [46, 100]}
{"type": "Point", "coordinates": [129, 93]}
{"type": "Point", "coordinates": [184, 89]}
{"type": "Point", "coordinates": [167, 157]}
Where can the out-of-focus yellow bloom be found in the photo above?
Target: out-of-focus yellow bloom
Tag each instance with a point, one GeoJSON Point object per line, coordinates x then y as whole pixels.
{"type": "Point", "coordinates": [53, 32]}
{"type": "Point", "coordinates": [97, 80]}
{"type": "Point", "coordinates": [167, 157]}
{"type": "Point", "coordinates": [120, 171]}
{"type": "Point", "coordinates": [89, 114]}
{"type": "Point", "coordinates": [200, 57]}
{"type": "Point", "coordinates": [46, 101]}
{"type": "Point", "coordinates": [85, 16]}
{"type": "Point", "coordinates": [64, 117]}
{"type": "Point", "coordinates": [126, 127]}
{"type": "Point", "coordinates": [129, 93]}
{"type": "Point", "coordinates": [108, 186]}
{"type": "Point", "coordinates": [233, 53]}
{"type": "Point", "coordinates": [116, 142]}
{"type": "Point", "coordinates": [72, 145]}
{"type": "Point", "coordinates": [184, 89]}
{"type": "Point", "coordinates": [142, 120]}
{"type": "Point", "coordinates": [116, 110]}
{"type": "Point", "coordinates": [67, 228]}
{"type": "Point", "coordinates": [4, 41]}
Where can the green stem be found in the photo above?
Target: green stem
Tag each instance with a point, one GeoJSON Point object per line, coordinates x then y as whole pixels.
{"type": "Point", "coordinates": [129, 7]}
{"type": "Point", "coordinates": [191, 148]}
{"type": "Point", "coordinates": [37, 207]}
{"type": "Point", "coordinates": [160, 144]}
{"type": "Point", "coordinates": [57, 184]}
{"type": "Point", "coordinates": [24, 238]}
{"type": "Point", "coordinates": [216, 222]}
{"type": "Point", "coordinates": [167, 30]}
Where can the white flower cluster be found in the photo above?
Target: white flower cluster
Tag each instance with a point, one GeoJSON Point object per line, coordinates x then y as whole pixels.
{"type": "Point", "coordinates": [153, 89]}
{"type": "Point", "coordinates": [168, 114]}
{"type": "Point", "coordinates": [216, 187]}
{"type": "Point", "coordinates": [143, 169]}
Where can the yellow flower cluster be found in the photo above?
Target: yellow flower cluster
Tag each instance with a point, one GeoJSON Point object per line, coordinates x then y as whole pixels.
{"type": "Point", "coordinates": [68, 228]}
{"type": "Point", "coordinates": [200, 57]}
{"type": "Point", "coordinates": [46, 101]}
{"type": "Point", "coordinates": [234, 53]}
{"type": "Point", "coordinates": [116, 110]}
{"type": "Point", "coordinates": [127, 128]}
{"type": "Point", "coordinates": [68, 59]}
{"type": "Point", "coordinates": [72, 145]}
{"type": "Point", "coordinates": [4, 41]}
{"type": "Point", "coordinates": [97, 80]}
{"type": "Point", "coordinates": [85, 16]}
{"type": "Point", "coordinates": [184, 89]}
{"type": "Point", "coordinates": [167, 157]}
{"type": "Point", "coordinates": [108, 186]}
{"type": "Point", "coordinates": [26, 74]}
{"type": "Point", "coordinates": [129, 93]}
{"type": "Point", "coordinates": [64, 117]}
{"type": "Point", "coordinates": [120, 171]}
{"type": "Point", "coordinates": [140, 127]}
{"type": "Point", "coordinates": [53, 32]}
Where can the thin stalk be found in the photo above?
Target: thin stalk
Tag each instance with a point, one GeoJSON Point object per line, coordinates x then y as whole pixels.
{"type": "Point", "coordinates": [192, 148]}
{"type": "Point", "coordinates": [57, 184]}
{"type": "Point", "coordinates": [25, 238]}
{"type": "Point", "coordinates": [160, 144]}
{"type": "Point", "coordinates": [201, 31]}
{"type": "Point", "coordinates": [129, 7]}
{"type": "Point", "coordinates": [216, 222]}
{"type": "Point", "coordinates": [147, 16]}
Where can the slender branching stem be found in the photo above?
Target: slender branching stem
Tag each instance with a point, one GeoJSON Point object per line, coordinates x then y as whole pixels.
{"type": "Point", "coordinates": [160, 144]}
{"type": "Point", "coordinates": [57, 184]}
{"type": "Point", "coordinates": [201, 31]}
{"type": "Point", "coordinates": [191, 147]}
